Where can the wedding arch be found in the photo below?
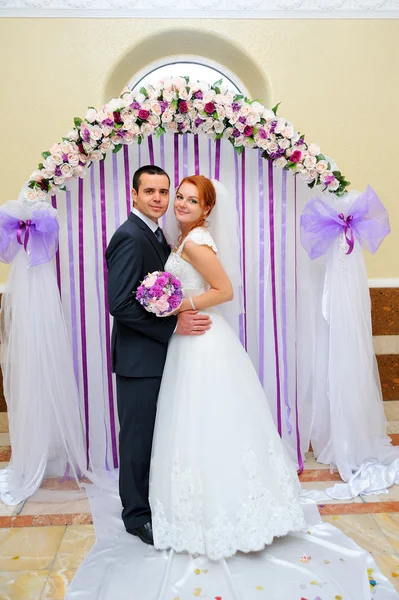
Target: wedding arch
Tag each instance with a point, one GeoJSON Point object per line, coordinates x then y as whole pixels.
{"type": "Point", "coordinates": [302, 318]}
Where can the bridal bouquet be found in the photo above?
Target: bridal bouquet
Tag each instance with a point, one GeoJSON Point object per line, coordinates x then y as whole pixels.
{"type": "Point", "coordinates": [160, 293]}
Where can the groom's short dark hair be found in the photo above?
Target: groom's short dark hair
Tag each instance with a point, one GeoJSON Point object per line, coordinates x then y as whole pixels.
{"type": "Point", "coordinates": [151, 170]}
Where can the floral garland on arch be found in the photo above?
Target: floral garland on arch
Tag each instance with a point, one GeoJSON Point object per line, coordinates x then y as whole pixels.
{"type": "Point", "coordinates": [180, 105]}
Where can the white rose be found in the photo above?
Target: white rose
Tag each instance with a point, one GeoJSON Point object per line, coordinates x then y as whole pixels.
{"type": "Point", "coordinates": [321, 166]}
{"type": "Point", "coordinates": [154, 120]}
{"type": "Point", "coordinates": [82, 158]}
{"type": "Point", "coordinates": [146, 129]}
{"type": "Point", "coordinates": [304, 175]}
{"type": "Point", "coordinates": [107, 130]}
{"type": "Point", "coordinates": [210, 132]}
{"type": "Point", "coordinates": [184, 94]}
{"type": "Point", "coordinates": [288, 131]}
{"type": "Point", "coordinates": [73, 159]}
{"type": "Point", "coordinates": [50, 163]}
{"type": "Point", "coordinates": [79, 172]}
{"type": "Point", "coordinates": [281, 162]}
{"type": "Point", "coordinates": [95, 155]}
{"type": "Point", "coordinates": [227, 132]}
{"type": "Point", "coordinates": [91, 115]}
{"type": "Point", "coordinates": [268, 115]}
{"type": "Point", "coordinates": [179, 82]}
{"type": "Point", "coordinates": [314, 149]}
{"type": "Point", "coordinates": [252, 119]}
{"type": "Point", "coordinates": [168, 95]}
{"type": "Point", "coordinates": [228, 112]}
{"type": "Point", "coordinates": [46, 174]}
{"type": "Point", "coordinates": [126, 113]}
{"type": "Point", "coordinates": [238, 141]}
{"type": "Point", "coordinates": [179, 118]}
{"type": "Point", "coordinates": [233, 120]}
{"type": "Point", "coordinates": [128, 96]}
{"type": "Point", "coordinates": [127, 124]}
{"type": "Point", "coordinates": [272, 146]}
{"type": "Point", "coordinates": [240, 126]}
{"type": "Point", "coordinates": [221, 112]}
{"type": "Point", "coordinates": [228, 98]}
{"type": "Point", "coordinates": [73, 135]}
{"type": "Point", "coordinates": [167, 83]}
{"type": "Point", "coordinates": [156, 108]}
{"type": "Point", "coordinates": [96, 133]}
{"type": "Point", "coordinates": [106, 145]}
{"type": "Point", "coordinates": [218, 126]}
{"type": "Point", "coordinates": [208, 123]}
{"type": "Point", "coordinates": [167, 116]}
{"type": "Point", "coordinates": [294, 138]}
{"type": "Point", "coordinates": [129, 137]}
{"type": "Point", "coordinates": [310, 162]}
{"type": "Point", "coordinates": [199, 105]}
{"type": "Point", "coordinates": [171, 127]}
{"type": "Point", "coordinates": [284, 143]}
{"type": "Point", "coordinates": [139, 97]}
{"type": "Point", "coordinates": [66, 170]}
{"type": "Point", "coordinates": [193, 114]}
{"type": "Point", "coordinates": [299, 167]}
{"type": "Point", "coordinates": [55, 148]}
{"type": "Point", "coordinates": [281, 124]}
{"type": "Point", "coordinates": [334, 185]}
{"type": "Point", "coordinates": [312, 174]}
{"type": "Point", "coordinates": [247, 143]}
{"type": "Point", "coordinates": [135, 129]}
{"type": "Point", "coordinates": [59, 181]}
{"type": "Point", "coordinates": [244, 111]}
{"type": "Point", "coordinates": [209, 97]}
{"type": "Point", "coordinates": [31, 196]}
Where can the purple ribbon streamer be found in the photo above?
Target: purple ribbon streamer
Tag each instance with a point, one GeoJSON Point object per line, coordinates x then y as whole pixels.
{"type": "Point", "coordinates": [244, 268]}
{"type": "Point", "coordinates": [127, 179]}
{"type": "Point", "coordinates": [237, 188]}
{"type": "Point", "coordinates": [151, 150]}
{"type": "Point", "coordinates": [107, 319]}
{"type": "Point", "coordinates": [82, 306]}
{"type": "Point", "coordinates": [185, 155]}
{"type": "Point", "coordinates": [115, 190]}
{"type": "Point", "coordinates": [196, 154]}
{"type": "Point", "coordinates": [217, 160]}
{"type": "Point", "coordinates": [284, 298]}
{"type": "Point", "coordinates": [367, 221]}
{"type": "Point", "coordinates": [72, 289]}
{"type": "Point", "coordinates": [57, 254]}
{"type": "Point", "coordinates": [100, 310]}
{"type": "Point", "coordinates": [274, 295]}
{"type": "Point", "coordinates": [298, 436]}
{"type": "Point", "coordinates": [176, 158]}
{"type": "Point", "coordinates": [261, 270]}
{"type": "Point", "coordinates": [37, 235]}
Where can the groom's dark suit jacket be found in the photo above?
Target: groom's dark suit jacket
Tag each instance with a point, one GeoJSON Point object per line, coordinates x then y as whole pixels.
{"type": "Point", "coordinates": [139, 338]}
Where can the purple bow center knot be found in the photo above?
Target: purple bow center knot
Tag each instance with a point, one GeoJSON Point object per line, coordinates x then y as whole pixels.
{"type": "Point", "coordinates": [347, 225]}
{"type": "Point", "coordinates": [24, 226]}
{"type": "Point", "coordinates": [321, 224]}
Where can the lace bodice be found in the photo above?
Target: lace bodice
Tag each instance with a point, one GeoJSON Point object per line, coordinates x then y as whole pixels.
{"type": "Point", "coordinates": [193, 283]}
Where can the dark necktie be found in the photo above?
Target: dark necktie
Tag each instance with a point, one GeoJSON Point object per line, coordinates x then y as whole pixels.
{"type": "Point", "coordinates": [161, 239]}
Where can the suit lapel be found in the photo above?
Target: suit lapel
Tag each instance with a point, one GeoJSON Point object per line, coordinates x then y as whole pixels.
{"type": "Point", "coordinates": [149, 234]}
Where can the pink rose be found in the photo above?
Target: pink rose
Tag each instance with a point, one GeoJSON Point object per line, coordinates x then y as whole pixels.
{"type": "Point", "coordinates": [296, 156]}
{"type": "Point", "coordinates": [183, 108]}
{"type": "Point", "coordinates": [143, 114]}
{"type": "Point", "coordinates": [248, 131]}
{"type": "Point", "coordinates": [209, 108]}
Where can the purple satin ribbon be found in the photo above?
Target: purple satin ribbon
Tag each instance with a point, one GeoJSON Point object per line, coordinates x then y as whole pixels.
{"type": "Point", "coordinates": [196, 154]}
{"type": "Point", "coordinates": [37, 235]}
{"type": "Point", "coordinates": [57, 254]}
{"type": "Point", "coordinates": [298, 435]}
{"type": "Point", "coordinates": [185, 155]}
{"type": "Point", "coordinates": [151, 150]}
{"type": "Point", "coordinates": [367, 221]}
{"type": "Point", "coordinates": [217, 160]}
{"type": "Point", "coordinates": [127, 179]}
{"type": "Point", "coordinates": [176, 159]}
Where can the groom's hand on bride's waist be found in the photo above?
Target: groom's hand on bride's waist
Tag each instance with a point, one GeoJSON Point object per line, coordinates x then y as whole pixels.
{"type": "Point", "coordinates": [191, 322]}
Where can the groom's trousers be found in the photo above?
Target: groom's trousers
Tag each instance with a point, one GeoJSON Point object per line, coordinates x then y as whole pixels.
{"type": "Point", "coordinates": [137, 404]}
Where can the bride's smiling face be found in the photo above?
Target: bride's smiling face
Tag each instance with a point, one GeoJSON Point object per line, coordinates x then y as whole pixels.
{"type": "Point", "coordinates": [188, 207]}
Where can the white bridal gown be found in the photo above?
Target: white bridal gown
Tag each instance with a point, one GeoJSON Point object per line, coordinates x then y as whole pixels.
{"type": "Point", "coordinates": [221, 480]}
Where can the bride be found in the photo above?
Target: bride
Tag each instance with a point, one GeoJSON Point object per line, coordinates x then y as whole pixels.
{"type": "Point", "coordinates": [220, 481]}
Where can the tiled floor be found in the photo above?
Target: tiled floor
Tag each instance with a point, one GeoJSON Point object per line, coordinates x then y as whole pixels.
{"type": "Point", "coordinates": [43, 542]}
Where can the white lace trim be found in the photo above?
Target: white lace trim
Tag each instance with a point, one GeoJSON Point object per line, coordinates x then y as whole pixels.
{"type": "Point", "coordinates": [200, 236]}
{"type": "Point", "coordinates": [260, 518]}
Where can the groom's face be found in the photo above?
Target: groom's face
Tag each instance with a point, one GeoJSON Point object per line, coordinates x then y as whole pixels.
{"type": "Point", "coordinates": [152, 196]}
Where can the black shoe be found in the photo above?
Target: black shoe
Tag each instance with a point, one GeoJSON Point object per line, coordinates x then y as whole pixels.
{"type": "Point", "coordinates": [144, 533]}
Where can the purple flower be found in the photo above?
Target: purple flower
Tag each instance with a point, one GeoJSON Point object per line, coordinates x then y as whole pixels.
{"type": "Point", "coordinates": [236, 133]}
{"type": "Point", "coordinates": [65, 157]}
{"type": "Point", "coordinates": [164, 105]}
{"type": "Point", "coordinates": [275, 155]}
{"type": "Point", "coordinates": [248, 131]}
{"type": "Point", "coordinates": [262, 134]}
{"type": "Point", "coordinates": [183, 108]}
{"type": "Point", "coordinates": [198, 121]}
{"type": "Point", "coordinates": [156, 290]}
{"type": "Point", "coordinates": [135, 106]}
{"type": "Point", "coordinates": [85, 133]}
{"type": "Point", "coordinates": [108, 122]}
{"type": "Point", "coordinates": [328, 179]}
{"type": "Point", "coordinates": [143, 114]}
{"type": "Point", "coordinates": [243, 120]}
{"type": "Point", "coordinates": [58, 171]}
{"type": "Point", "coordinates": [198, 95]}
{"type": "Point", "coordinates": [182, 126]}
{"type": "Point", "coordinates": [273, 126]}
{"type": "Point", "coordinates": [235, 106]}
{"type": "Point", "coordinates": [209, 108]}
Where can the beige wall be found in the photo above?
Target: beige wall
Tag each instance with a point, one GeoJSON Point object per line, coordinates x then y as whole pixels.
{"type": "Point", "coordinates": [338, 82]}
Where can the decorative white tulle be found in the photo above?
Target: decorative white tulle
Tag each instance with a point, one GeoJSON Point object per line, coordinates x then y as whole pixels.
{"type": "Point", "coordinates": [349, 426]}
{"type": "Point", "coordinates": [45, 425]}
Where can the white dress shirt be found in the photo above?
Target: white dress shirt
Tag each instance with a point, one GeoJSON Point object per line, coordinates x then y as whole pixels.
{"type": "Point", "coordinates": [151, 224]}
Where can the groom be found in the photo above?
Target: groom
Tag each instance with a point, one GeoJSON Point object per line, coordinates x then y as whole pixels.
{"type": "Point", "coordinates": [140, 340]}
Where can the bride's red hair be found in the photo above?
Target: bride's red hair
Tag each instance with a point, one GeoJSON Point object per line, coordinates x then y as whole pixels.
{"type": "Point", "coordinates": [206, 196]}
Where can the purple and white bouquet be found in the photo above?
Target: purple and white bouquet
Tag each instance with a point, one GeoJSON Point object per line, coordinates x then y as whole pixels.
{"type": "Point", "coordinates": [160, 293]}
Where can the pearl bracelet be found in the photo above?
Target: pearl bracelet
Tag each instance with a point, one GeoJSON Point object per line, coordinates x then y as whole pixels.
{"type": "Point", "coordinates": [192, 303]}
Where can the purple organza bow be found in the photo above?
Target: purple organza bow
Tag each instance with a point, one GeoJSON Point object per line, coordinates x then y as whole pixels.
{"type": "Point", "coordinates": [367, 221]}
{"type": "Point", "coordinates": [38, 236]}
